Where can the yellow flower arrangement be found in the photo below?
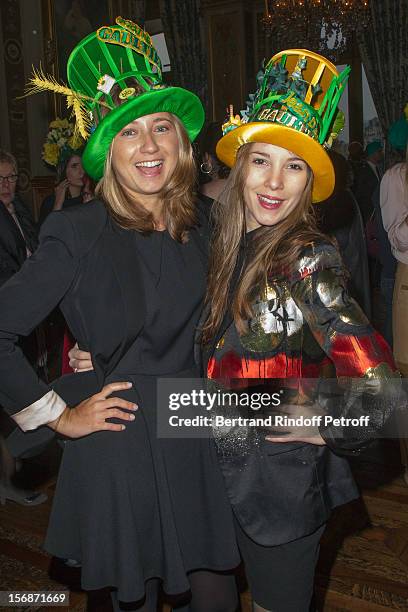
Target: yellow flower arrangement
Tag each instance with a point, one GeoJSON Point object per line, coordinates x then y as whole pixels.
{"type": "Point", "coordinates": [60, 123]}
{"type": "Point", "coordinates": [62, 141]}
{"type": "Point", "coordinates": [50, 153]}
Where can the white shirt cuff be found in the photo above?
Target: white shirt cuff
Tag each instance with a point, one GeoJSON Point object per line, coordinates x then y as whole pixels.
{"type": "Point", "coordinates": [43, 411]}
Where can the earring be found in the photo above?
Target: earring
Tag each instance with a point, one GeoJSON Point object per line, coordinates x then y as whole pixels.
{"type": "Point", "coordinates": [207, 165]}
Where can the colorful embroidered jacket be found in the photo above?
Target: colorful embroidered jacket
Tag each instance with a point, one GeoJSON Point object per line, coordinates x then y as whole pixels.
{"type": "Point", "coordinates": [303, 325]}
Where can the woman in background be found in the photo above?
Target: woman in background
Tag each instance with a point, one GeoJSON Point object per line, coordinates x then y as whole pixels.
{"type": "Point", "coordinates": [68, 191]}
{"type": "Point", "coordinates": [62, 151]}
{"type": "Point", "coordinates": [394, 212]}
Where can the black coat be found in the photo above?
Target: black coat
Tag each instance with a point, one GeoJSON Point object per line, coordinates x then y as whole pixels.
{"type": "Point", "coordinates": [13, 252]}
{"type": "Point", "coordinates": [365, 183]}
{"type": "Point", "coordinates": [281, 491]}
{"type": "Point", "coordinates": [85, 264]}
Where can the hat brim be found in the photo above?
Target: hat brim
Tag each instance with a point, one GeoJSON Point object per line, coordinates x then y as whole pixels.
{"type": "Point", "coordinates": [176, 100]}
{"type": "Point", "coordinates": [271, 133]}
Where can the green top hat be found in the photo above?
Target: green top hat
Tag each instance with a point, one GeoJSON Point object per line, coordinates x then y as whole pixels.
{"type": "Point", "coordinates": [113, 55]}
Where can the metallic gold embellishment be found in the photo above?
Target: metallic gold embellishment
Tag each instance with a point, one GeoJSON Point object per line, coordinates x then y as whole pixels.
{"type": "Point", "coordinates": [375, 380]}
{"type": "Point", "coordinates": [382, 370]}
{"type": "Point", "coordinates": [275, 319]}
{"type": "Point", "coordinates": [311, 263]}
{"type": "Point", "coordinates": [127, 93]}
{"type": "Point", "coordinates": [331, 291]}
{"type": "Point", "coordinates": [220, 343]}
{"type": "Point", "coordinates": [270, 291]}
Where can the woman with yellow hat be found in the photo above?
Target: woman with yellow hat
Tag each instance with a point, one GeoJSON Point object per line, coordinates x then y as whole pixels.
{"type": "Point", "coordinates": [279, 319]}
{"type": "Point", "coordinates": [134, 510]}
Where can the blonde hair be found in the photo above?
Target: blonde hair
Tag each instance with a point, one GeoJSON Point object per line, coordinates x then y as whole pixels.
{"type": "Point", "coordinates": [272, 250]}
{"type": "Point", "coordinates": [177, 196]}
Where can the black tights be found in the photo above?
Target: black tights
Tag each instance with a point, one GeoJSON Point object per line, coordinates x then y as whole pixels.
{"type": "Point", "coordinates": [209, 592]}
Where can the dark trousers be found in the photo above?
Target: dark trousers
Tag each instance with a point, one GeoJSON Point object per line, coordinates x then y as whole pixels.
{"type": "Point", "coordinates": [281, 577]}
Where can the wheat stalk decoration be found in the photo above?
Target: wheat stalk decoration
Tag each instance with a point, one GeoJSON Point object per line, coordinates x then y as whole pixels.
{"type": "Point", "coordinates": [40, 82]}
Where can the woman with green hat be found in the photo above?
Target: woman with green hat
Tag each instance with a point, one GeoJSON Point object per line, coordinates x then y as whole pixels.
{"type": "Point", "coordinates": [279, 320]}
{"type": "Point", "coordinates": [128, 271]}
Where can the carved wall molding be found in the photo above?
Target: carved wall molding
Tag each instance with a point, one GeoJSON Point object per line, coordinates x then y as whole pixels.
{"type": "Point", "coordinates": [15, 79]}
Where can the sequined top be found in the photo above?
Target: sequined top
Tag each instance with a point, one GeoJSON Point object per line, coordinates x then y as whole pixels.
{"type": "Point", "coordinates": [306, 326]}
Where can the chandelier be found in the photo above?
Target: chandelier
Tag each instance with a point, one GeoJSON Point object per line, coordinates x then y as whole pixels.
{"type": "Point", "coordinates": [322, 25]}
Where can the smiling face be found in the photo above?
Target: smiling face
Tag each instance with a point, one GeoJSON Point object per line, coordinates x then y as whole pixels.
{"type": "Point", "coordinates": [144, 156]}
{"type": "Point", "coordinates": [276, 180]}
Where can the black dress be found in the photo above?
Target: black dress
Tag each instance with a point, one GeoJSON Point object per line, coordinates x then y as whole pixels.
{"type": "Point", "coordinates": [129, 505]}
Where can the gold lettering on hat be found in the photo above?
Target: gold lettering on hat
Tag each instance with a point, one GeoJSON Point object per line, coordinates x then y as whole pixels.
{"type": "Point", "coordinates": [130, 39]}
{"type": "Point", "coordinates": [104, 33]}
{"type": "Point", "coordinates": [132, 27]}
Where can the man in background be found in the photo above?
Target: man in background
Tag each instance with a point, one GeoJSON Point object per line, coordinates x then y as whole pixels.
{"type": "Point", "coordinates": [18, 240]}
{"type": "Point", "coordinates": [367, 178]}
{"type": "Point", "coordinates": [18, 234]}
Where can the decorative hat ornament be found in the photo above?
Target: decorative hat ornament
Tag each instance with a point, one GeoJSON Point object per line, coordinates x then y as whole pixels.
{"type": "Point", "coordinates": [294, 107]}
{"type": "Point", "coordinates": [117, 55]}
{"type": "Point", "coordinates": [61, 143]}
{"type": "Point", "coordinates": [398, 132]}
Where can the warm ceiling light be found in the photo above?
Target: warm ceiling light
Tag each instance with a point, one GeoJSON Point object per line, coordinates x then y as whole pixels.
{"type": "Point", "coordinates": [321, 25]}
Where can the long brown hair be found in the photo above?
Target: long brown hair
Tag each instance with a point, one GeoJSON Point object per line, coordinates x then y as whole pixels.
{"type": "Point", "coordinates": [177, 196]}
{"type": "Point", "coordinates": [272, 250]}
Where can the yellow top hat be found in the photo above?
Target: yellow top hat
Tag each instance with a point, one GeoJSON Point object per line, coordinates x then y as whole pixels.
{"type": "Point", "coordinates": [295, 107]}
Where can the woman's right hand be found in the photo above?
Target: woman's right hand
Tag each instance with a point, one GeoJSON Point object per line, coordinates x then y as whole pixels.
{"type": "Point", "coordinates": [60, 194]}
{"type": "Point", "coordinates": [80, 361]}
{"type": "Point", "coordinates": [91, 414]}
